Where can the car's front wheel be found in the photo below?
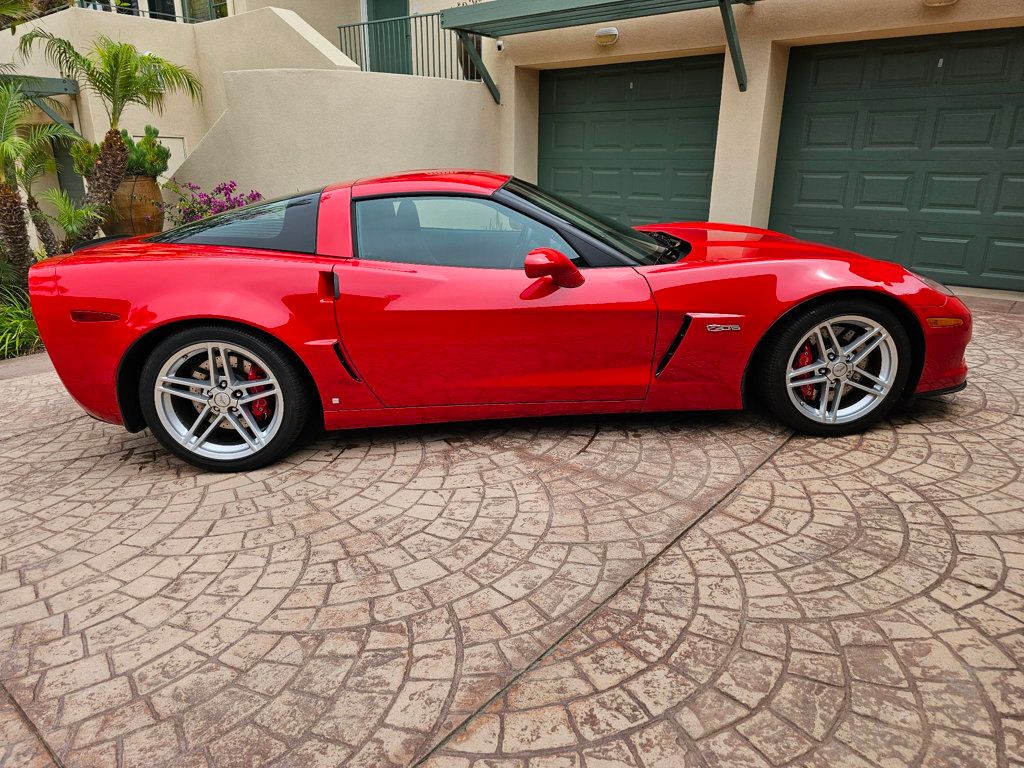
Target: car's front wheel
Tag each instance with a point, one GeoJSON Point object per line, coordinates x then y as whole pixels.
{"type": "Point", "coordinates": [837, 368]}
{"type": "Point", "coordinates": [223, 399]}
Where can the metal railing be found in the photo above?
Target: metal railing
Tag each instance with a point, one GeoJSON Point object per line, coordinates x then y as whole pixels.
{"type": "Point", "coordinates": [408, 45]}
{"type": "Point", "coordinates": [194, 11]}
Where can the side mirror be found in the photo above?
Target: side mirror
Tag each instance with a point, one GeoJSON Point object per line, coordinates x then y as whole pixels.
{"type": "Point", "coordinates": [547, 262]}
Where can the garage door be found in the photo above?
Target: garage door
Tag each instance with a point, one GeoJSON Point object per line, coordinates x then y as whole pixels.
{"type": "Point", "coordinates": [910, 150]}
{"type": "Point", "coordinates": [634, 141]}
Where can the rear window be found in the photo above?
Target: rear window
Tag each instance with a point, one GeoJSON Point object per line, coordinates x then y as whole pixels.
{"type": "Point", "coordinates": [288, 224]}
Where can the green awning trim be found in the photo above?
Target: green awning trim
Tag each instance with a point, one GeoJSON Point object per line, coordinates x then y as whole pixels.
{"type": "Point", "coordinates": [499, 18]}
{"type": "Point", "coordinates": [39, 89]}
{"type": "Point", "coordinates": [471, 51]}
{"type": "Point", "coordinates": [52, 113]}
{"type": "Point", "coordinates": [43, 86]}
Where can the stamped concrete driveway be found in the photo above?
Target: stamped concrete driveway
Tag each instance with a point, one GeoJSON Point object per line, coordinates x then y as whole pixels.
{"type": "Point", "coordinates": [678, 590]}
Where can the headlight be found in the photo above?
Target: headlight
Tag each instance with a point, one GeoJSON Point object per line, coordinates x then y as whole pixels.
{"type": "Point", "coordinates": [935, 284]}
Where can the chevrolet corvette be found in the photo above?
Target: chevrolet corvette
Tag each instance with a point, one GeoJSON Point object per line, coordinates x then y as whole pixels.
{"type": "Point", "coordinates": [454, 295]}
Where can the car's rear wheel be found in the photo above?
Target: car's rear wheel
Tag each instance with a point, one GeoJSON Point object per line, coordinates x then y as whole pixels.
{"type": "Point", "coordinates": [223, 399]}
{"type": "Point", "coordinates": [837, 368]}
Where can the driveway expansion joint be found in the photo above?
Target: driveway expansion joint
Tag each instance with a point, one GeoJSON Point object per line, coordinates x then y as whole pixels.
{"type": "Point", "coordinates": [554, 646]}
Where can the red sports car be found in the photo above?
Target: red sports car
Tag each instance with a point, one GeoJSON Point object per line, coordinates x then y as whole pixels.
{"type": "Point", "coordinates": [450, 295]}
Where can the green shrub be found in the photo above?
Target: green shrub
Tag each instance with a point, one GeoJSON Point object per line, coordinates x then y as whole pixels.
{"type": "Point", "coordinates": [83, 156]}
{"type": "Point", "coordinates": [18, 332]}
{"type": "Point", "coordinates": [147, 156]}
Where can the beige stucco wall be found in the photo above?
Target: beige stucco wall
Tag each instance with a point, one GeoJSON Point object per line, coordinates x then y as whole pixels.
{"type": "Point", "coordinates": [749, 122]}
{"type": "Point", "coordinates": [266, 38]}
{"type": "Point", "coordinates": [291, 130]}
{"type": "Point", "coordinates": [323, 15]}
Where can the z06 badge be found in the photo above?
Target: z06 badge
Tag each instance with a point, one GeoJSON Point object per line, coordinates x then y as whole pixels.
{"type": "Point", "coordinates": [716, 328]}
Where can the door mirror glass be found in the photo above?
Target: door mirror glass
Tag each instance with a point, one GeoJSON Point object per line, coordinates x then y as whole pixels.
{"type": "Point", "coordinates": [547, 262]}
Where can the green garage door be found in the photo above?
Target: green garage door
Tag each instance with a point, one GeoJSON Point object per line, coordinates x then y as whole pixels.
{"type": "Point", "coordinates": [634, 141]}
{"type": "Point", "coordinates": [910, 150]}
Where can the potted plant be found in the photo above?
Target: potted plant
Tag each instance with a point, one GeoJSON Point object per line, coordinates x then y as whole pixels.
{"type": "Point", "coordinates": [119, 74]}
{"type": "Point", "coordinates": [136, 205]}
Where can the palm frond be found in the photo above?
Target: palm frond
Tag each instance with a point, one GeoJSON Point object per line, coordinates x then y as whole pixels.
{"type": "Point", "coordinates": [13, 109]}
{"type": "Point", "coordinates": [14, 11]}
{"type": "Point", "coordinates": [60, 53]}
{"type": "Point", "coordinates": [36, 162]}
{"type": "Point", "coordinates": [44, 133]}
{"type": "Point", "coordinates": [70, 216]}
{"type": "Point", "coordinates": [117, 72]}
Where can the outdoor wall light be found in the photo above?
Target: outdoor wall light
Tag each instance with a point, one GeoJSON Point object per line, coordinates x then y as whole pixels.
{"type": "Point", "coordinates": [607, 36]}
{"type": "Point", "coordinates": [938, 3]}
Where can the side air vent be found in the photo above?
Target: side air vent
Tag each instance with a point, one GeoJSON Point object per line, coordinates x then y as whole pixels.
{"type": "Point", "coordinates": [670, 352]}
{"type": "Point", "coordinates": [345, 363]}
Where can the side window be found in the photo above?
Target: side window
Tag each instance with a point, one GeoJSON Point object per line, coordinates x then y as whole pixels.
{"type": "Point", "coordinates": [280, 225]}
{"type": "Point", "coordinates": [450, 232]}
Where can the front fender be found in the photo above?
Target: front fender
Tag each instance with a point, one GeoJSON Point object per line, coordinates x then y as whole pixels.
{"type": "Point", "coordinates": [708, 366]}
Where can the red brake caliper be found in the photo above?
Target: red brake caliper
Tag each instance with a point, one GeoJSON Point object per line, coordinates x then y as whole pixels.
{"type": "Point", "coordinates": [260, 407]}
{"type": "Point", "coordinates": [807, 391]}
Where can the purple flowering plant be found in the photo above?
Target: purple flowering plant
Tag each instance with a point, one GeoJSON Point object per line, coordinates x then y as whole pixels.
{"type": "Point", "coordinates": [194, 204]}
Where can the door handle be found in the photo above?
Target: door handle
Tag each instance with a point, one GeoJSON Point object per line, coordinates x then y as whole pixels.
{"type": "Point", "coordinates": [328, 286]}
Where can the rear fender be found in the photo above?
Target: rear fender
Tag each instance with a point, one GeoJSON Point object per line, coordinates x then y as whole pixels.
{"type": "Point", "coordinates": [285, 297]}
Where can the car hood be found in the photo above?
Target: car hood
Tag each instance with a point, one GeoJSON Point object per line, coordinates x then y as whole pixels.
{"type": "Point", "coordinates": [717, 242]}
{"type": "Point", "coordinates": [706, 232]}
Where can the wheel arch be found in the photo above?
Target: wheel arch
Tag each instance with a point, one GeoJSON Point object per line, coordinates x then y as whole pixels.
{"type": "Point", "coordinates": [897, 307]}
{"type": "Point", "coordinates": [130, 367]}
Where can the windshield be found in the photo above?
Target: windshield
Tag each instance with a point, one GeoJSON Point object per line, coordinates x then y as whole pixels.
{"type": "Point", "coordinates": [647, 248]}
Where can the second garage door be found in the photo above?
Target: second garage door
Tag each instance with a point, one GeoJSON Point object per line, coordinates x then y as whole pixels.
{"type": "Point", "coordinates": [634, 141]}
{"type": "Point", "coordinates": [910, 150]}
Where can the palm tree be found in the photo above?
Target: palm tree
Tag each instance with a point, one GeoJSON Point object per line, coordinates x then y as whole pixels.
{"type": "Point", "coordinates": [34, 164]}
{"type": "Point", "coordinates": [119, 74]}
{"type": "Point", "coordinates": [19, 140]}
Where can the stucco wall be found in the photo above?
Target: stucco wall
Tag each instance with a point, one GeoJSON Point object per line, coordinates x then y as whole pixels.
{"type": "Point", "coordinates": [291, 130]}
{"type": "Point", "coordinates": [266, 38]}
{"type": "Point", "coordinates": [749, 122]}
{"type": "Point", "coordinates": [323, 15]}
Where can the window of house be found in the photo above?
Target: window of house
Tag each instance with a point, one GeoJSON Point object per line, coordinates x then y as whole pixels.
{"type": "Point", "coordinates": [450, 232]}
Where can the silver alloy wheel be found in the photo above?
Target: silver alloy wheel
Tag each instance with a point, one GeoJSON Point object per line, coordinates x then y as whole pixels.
{"type": "Point", "coordinates": [206, 394]}
{"type": "Point", "coordinates": [852, 367]}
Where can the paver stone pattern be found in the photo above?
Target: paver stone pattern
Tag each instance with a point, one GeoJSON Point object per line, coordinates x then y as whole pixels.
{"type": "Point", "coordinates": [681, 589]}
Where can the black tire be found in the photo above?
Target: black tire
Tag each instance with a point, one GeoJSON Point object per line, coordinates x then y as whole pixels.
{"type": "Point", "coordinates": [294, 390]}
{"type": "Point", "coordinates": [781, 347]}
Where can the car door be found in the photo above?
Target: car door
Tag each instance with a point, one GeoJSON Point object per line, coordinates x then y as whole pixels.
{"type": "Point", "coordinates": [436, 309]}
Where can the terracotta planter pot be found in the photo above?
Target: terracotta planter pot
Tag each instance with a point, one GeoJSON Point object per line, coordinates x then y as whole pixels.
{"type": "Point", "coordinates": [135, 208]}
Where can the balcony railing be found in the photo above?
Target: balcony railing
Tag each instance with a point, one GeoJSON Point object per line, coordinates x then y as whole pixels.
{"type": "Point", "coordinates": [194, 10]}
{"type": "Point", "coordinates": [408, 45]}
